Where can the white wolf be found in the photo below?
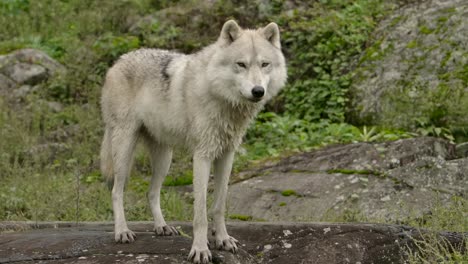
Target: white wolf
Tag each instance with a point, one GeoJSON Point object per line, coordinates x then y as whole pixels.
{"type": "Point", "coordinates": [202, 102]}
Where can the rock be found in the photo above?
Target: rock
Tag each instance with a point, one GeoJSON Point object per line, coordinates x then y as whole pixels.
{"type": "Point", "coordinates": [55, 106]}
{"type": "Point", "coordinates": [33, 56]}
{"type": "Point", "coordinates": [22, 91]}
{"type": "Point", "coordinates": [25, 67]}
{"type": "Point", "coordinates": [319, 243]}
{"type": "Point", "coordinates": [415, 72]}
{"type": "Point", "coordinates": [462, 150]}
{"type": "Point", "coordinates": [63, 133]}
{"type": "Point", "coordinates": [43, 153]}
{"type": "Point", "coordinates": [23, 73]}
{"type": "Point", "coordinates": [364, 181]}
{"type": "Point", "coordinates": [6, 84]}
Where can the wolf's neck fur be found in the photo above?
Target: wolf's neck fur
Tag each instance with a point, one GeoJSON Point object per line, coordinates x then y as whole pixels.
{"type": "Point", "coordinates": [225, 122]}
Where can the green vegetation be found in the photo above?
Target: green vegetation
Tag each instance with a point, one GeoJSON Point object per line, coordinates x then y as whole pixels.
{"type": "Point", "coordinates": [185, 179]}
{"type": "Point", "coordinates": [321, 39]}
{"type": "Point", "coordinates": [430, 248]}
{"type": "Point", "coordinates": [347, 171]}
{"type": "Point", "coordinates": [288, 192]}
{"type": "Point", "coordinates": [240, 217]}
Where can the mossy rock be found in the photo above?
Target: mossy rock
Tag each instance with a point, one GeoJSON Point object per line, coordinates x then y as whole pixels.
{"type": "Point", "coordinates": [416, 72]}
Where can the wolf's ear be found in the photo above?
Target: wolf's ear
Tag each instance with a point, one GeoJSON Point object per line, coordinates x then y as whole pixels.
{"type": "Point", "coordinates": [230, 32]}
{"type": "Point", "coordinates": [272, 34]}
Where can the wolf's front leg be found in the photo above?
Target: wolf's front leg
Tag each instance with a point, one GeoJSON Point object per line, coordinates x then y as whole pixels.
{"type": "Point", "coordinates": [201, 172]}
{"type": "Point", "coordinates": [222, 171]}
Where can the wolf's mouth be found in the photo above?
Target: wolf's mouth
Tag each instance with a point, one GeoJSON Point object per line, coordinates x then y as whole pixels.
{"type": "Point", "coordinates": [251, 99]}
{"type": "Point", "coordinates": [255, 100]}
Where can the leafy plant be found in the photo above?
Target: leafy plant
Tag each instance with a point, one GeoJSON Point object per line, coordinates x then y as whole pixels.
{"type": "Point", "coordinates": [369, 135]}
{"type": "Point", "coordinates": [425, 128]}
{"type": "Point", "coordinates": [321, 42]}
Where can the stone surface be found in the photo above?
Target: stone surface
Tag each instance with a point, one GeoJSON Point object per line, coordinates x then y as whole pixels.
{"type": "Point", "coordinates": [6, 84]}
{"type": "Point", "coordinates": [55, 106]}
{"type": "Point", "coordinates": [24, 68]}
{"type": "Point", "coordinates": [24, 73]}
{"type": "Point", "coordinates": [415, 72]}
{"type": "Point", "coordinates": [462, 150]}
{"type": "Point", "coordinates": [388, 181]}
{"type": "Point", "coordinates": [43, 153]}
{"type": "Point", "coordinates": [276, 243]}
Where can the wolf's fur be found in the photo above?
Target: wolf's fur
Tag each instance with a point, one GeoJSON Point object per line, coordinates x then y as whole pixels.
{"type": "Point", "coordinates": [202, 102]}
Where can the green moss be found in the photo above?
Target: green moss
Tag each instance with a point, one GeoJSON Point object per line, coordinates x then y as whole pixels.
{"type": "Point", "coordinates": [288, 192]}
{"type": "Point", "coordinates": [442, 19]}
{"type": "Point", "coordinates": [446, 58]}
{"type": "Point", "coordinates": [449, 10]}
{"type": "Point", "coordinates": [241, 217]}
{"type": "Point", "coordinates": [282, 204]}
{"type": "Point", "coordinates": [425, 30]}
{"type": "Point", "coordinates": [412, 44]}
{"type": "Point", "coordinates": [372, 53]}
{"type": "Point", "coordinates": [348, 171]}
{"type": "Point", "coordinates": [396, 20]}
{"type": "Point", "coordinates": [462, 73]}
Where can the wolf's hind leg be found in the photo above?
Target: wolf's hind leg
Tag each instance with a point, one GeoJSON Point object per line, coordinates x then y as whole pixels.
{"type": "Point", "coordinates": [123, 145]}
{"type": "Point", "coordinates": [107, 169]}
{"type": "Point", "coordinates": [222, 171]}
{"type": "Point", "coordinates": [161, 157]}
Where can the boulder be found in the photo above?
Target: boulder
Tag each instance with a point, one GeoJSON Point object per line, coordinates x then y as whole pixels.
{"type": "Point", "coordinates": [44, 153]}
{"type": "Point", "coordinates": [25, 68]}
{"type": "Point", "coordinates": [6, 83]}
{"type": "Point", "coordinates": [276, 243]}
{"type": "Point", "coordinates": [415, 73]}
{"type": "Point", "coordinates": [24, 73]}
{"type": "Point", "coordinates": [389, 181]}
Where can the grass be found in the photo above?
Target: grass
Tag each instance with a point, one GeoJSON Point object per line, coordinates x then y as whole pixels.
{"type": "Point", "coordinates": [184, 179]}
{"type": "Point", "coordinates": [430, 248]}
{"type": "Point", "coordinates": [426, 246]}
{"type": "Point", "coordinates": [240, 217]}
{"type": "Point", "coordinates": [62, 182]}
{"type": "Point", "coordinates": [433, 249]}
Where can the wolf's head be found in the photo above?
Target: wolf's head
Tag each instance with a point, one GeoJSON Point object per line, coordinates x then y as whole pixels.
{"type": "Point", "coordinates": [247, 66]}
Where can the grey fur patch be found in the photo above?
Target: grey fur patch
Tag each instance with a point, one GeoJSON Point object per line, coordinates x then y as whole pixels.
{"type": "Point", "coordinates": [165, 61]}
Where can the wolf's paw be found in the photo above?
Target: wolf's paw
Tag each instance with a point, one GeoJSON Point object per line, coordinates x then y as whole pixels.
{"type": "Point", "coordinates": [202, 256]}
{"type": "Point", "coordinates": [124, 236]}
{"type": "Point", "coordinates": [166, 231]}
{"type": "Point", "coordinates": [226, 243]}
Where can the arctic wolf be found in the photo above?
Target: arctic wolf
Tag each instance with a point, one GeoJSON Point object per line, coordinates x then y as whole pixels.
{"type": "Point", "coordinates": [202, 102]}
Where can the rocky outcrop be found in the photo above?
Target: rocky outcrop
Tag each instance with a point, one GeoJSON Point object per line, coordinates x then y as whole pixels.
{"type": "Point", "coordinates": [318, 243]}
{"type": "Point", "coordinates": [416, 71]}
{"type": "Point", "coordinates": [388, 181]}
{"type": "Point", "coordinates": [21, 71]}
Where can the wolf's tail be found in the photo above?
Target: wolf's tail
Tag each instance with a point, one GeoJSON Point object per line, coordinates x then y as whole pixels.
{"type": "Point", "coordinates": [107, 168]}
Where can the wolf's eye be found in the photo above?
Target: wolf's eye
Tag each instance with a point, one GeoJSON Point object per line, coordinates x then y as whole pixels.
{"type": "Point", "coordinates": [241, 64]}
{"type": "Point", "coordinates": [265, 64]}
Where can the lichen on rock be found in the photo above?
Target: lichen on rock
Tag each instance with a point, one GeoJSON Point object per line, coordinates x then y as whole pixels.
{"type": "Point", "coordinates": [416, 71]}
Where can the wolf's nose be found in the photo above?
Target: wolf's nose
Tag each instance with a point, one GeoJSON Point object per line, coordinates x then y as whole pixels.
{"type": "Point", "coordinates": [258, 91]}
